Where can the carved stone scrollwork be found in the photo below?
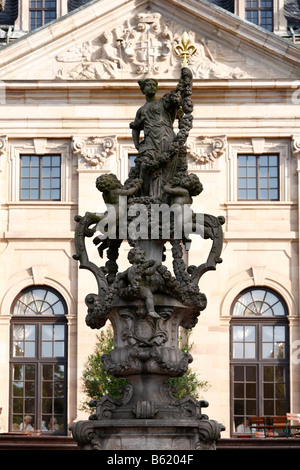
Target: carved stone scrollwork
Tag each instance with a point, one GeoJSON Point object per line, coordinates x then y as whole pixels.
{"type": "Point", "coordinates": [3, 148]}
{"type": "Point", "coordinates": [205, 150]}
{"type": "Point", "coordinates": [209, 433]}
{"type": "Point", "coordinates": [3, 144]}
{"type": "Point", "coordinates": [295, 145]}
{"type": "Point", "coordinates": [106, 406]}
{"type": "Point", "coordinates": [94, 150]}
{"type": "Point", "coordinates": [85, 435]}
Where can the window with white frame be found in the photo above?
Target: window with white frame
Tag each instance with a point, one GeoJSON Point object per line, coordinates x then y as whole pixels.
{"type": "Point", "coordinates": [259, 171]}
{"type": "Point", "coordinates": [40, 171]}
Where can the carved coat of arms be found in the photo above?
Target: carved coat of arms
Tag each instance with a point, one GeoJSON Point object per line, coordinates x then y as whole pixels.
{"type": "Point", "coordinates": [140, 47]}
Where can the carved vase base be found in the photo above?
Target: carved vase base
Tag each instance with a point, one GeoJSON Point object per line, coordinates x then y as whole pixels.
{"type": "Point", "coordinates": [139, 435]}
{"type": "Point", "coordinates": [148, 397]}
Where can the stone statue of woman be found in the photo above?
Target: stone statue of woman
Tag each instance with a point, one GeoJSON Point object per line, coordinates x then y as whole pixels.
{"type": "Point", "coordinates": [155, 118]}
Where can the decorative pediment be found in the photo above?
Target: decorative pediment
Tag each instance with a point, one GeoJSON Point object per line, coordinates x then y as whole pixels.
{"type": "Point", "coordinates": [144, 46]}
{"type": "Point", "coordinates": [109, 40]}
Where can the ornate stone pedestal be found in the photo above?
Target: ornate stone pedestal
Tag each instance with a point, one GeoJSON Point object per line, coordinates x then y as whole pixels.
{"type": "Point", "coordinates": [148, 416]}
{"type": "Point", "coordinates": [142, 434]}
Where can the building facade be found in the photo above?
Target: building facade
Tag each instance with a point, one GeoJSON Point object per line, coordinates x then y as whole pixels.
{"type": "Point", "coordinates": [68, 92]}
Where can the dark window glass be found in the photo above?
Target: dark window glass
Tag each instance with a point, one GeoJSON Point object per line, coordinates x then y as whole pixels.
{"type": "Point", "coordinates": [41, 12]}
{"type": "Point", "coordinates": [258, 177]}
{"type": "Point", "coordinates": [259, 357]}
{"type": "Point", "coordinates": [40, 177]}
{"type": "Point", "coordinates": [260, 12]}
{"type": "Point", "coordinates": [39, 362]}
{"type": "Point", "coordinates": [259, 302]}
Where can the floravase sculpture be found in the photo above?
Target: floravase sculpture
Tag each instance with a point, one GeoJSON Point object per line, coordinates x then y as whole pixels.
{"type": "Point", "coordinates": [147, 304]}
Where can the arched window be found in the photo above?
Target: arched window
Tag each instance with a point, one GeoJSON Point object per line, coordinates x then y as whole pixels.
{"type": "Point", "coordinates": [38, 361]}
{"type": "Point", "coordinates": [259, 356]}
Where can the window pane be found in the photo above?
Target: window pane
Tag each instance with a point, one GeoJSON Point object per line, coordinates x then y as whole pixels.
{"type": "Point", "coordinates": [47, 390]}
{"type": "Point", "coordinates": [278, 309]}
{"type": "Point", "coordinates": [250, 390]}
{"type": "Point", "coordinates": [58, 309]}
{"type": "Point", "coordinates": [242, 194]}
{"type": "Point", "coordinates": [47, 349]}
{"type": "Point", "coordinates": [18, 332]}
{"type": "Point", "coordinates": [17, 389]}
{"type": "Point", "coordinates": [59, 372]}
{"type": "Point", "coordinates": [251, 373]}
{"type": "Point", "coordinates": [59, 349]}
{"type": "Point", "coordinates": [238, 333]}
{"type": "Point", "coordinates": [47, 332]}
{"type": "Point", "coordinates": [59, 332]}
{"type": "Point", "coordinates": [47, 372]}
{"type": "Point", "coordinates": [268, 373]}
{"type": "Point", "coordinates": [268, 350]}
{"type": "Point", "coordinates": [268, 333]}
{"type": "Point", "coordinates": [268, 390]}
{"type": "Point", "coordinates": [280, 390]}
{"type": "Point", "coordinates": [250, 333]}
{"type": "Point", "coordinates": [238, 351]}
{"type": "Point", "coordinates": [30, 332]}
{"type": "Point", "coordinates": [279, 333]}
{"type": "Point", "coordinates": [249, 351]}
{"type": "Point", "coordinates": [29, 349]}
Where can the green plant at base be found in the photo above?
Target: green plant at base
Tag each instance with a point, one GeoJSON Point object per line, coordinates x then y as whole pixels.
{"type": "Point", "coordinates": [189, 383]}
{"type": "Point", "coordinates": [97, 382]}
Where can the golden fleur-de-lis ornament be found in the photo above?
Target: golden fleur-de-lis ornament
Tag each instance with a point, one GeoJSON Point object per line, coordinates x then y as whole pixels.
{"type": "Point", "coordinates": [185, 49]}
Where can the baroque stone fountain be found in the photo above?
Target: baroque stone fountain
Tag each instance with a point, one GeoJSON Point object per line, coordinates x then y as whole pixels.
{"type": "Point", "coordinates": [147, 304]}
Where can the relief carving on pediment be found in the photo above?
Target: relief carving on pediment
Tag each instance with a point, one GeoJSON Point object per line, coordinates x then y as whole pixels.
{"type": "Point", "coordinates": [143, 47]}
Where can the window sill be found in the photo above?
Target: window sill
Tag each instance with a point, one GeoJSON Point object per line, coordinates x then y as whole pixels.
{"type": "Point", "coordinates": [40, 236]}
{"type": "Point", "coordinates": [38, 203]}
{"type": "Point", "coordinates": [259, 204]}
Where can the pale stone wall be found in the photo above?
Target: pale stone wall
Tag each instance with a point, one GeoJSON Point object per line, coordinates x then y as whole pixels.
{"type": "Point", "coordinates": [261, 239]}
{"type": "Point", "coordinates": [77, 118]}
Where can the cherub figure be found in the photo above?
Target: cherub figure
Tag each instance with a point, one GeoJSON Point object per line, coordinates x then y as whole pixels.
{"type": "Point", "coordinates": [112, 189]}
{"type": "Point", "coordinates": [139, 278]}
{"type": "Point", "coordinates": [181, 191]}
